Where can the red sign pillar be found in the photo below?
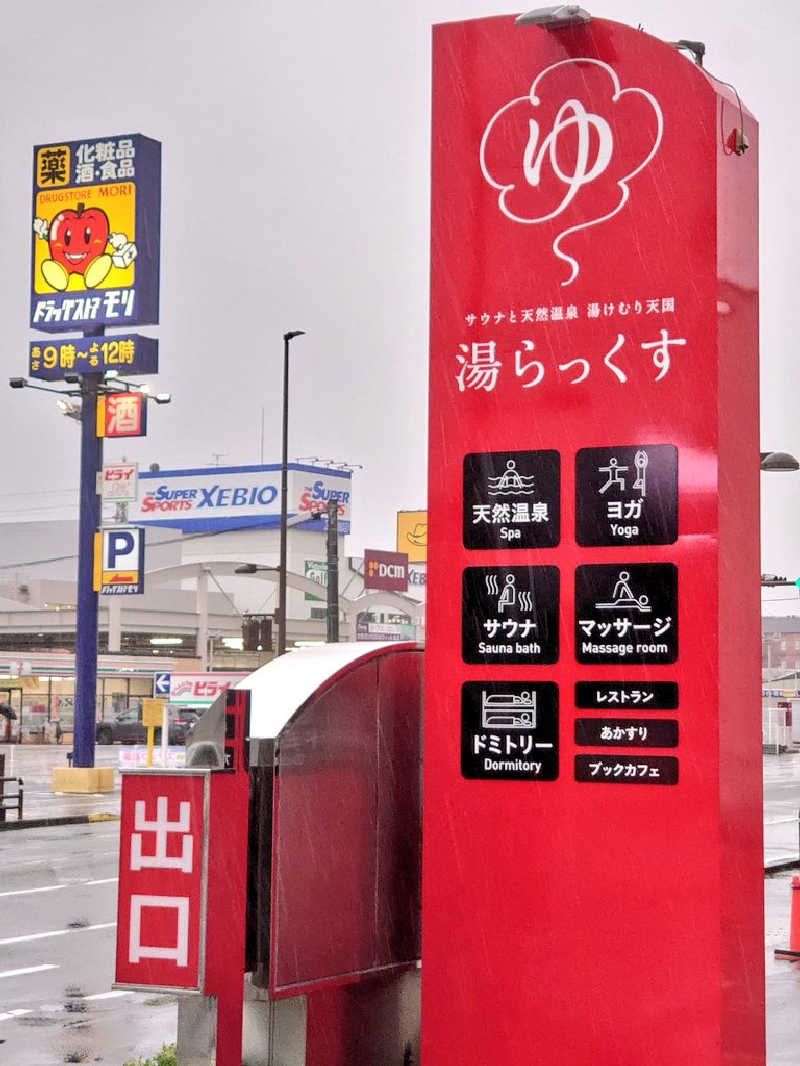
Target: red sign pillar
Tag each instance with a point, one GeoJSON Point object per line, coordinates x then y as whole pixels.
{"type": "Point", "coordinates": [183, 881]}
{"type": "Point", "coordinates": [592, 878]}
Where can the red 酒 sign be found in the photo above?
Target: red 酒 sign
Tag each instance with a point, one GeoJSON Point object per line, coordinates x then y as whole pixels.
{"type": "Point", "coordinates": [161, 887]}
{"type": "Point", "coordinates": [385, 570]}
{"type": "Point", "coordinates": [122, 414]}
{"type": "Point", "coordinates": [592, 762]}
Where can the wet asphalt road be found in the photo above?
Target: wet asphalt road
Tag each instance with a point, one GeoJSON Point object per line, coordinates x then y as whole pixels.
{"type": "Point", "coordinates": [58, 907]}
{"type": "Point", "coordinates": [58, 895]}
{"type": "Point", "coordinates": [34, 763]}
{"type": "Point", "coordinates": [781, 807]}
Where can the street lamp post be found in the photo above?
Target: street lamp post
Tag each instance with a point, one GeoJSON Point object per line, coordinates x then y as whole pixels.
{"type": "Point", "coordinates": [287, 337]}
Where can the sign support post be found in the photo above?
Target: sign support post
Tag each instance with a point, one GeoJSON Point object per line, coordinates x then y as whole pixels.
{"type": "Point", "coordinates": [155, 714]}
{"type": "Point", "coordinates": [86, 621]}
{"type": "Point", "coordinates": [94, 264]}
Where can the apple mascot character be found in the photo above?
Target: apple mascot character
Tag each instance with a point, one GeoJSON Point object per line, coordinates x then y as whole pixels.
{"type": "Point", "coordinates": [78, 242]}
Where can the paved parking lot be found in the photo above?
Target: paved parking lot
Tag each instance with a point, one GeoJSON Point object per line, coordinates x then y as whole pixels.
{"type": "Point", "coordinates": [34, 764]}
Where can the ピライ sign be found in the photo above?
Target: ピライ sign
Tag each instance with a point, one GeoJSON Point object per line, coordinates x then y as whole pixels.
{"type": "Point", "coordinates": [95, 233]}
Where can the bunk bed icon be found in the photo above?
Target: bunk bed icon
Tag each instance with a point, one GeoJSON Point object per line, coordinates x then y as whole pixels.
{"type": "Point", "coordinates": [508, 710]}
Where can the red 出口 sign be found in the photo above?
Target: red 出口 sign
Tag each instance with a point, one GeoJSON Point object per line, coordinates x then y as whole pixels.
{"type": "Point", "coordinates": [161, 908]}
{"type": "Point", "coordinates": [183, 880]}
{"type": "Point", "coordinates": [592, 763]}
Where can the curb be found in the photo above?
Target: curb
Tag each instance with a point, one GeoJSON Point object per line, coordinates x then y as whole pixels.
{"type": "Point", "coordinates": [70, 819]}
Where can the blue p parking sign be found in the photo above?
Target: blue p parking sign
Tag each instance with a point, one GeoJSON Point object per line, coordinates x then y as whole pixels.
{"type": "Point", "coordinates": [119, 561]}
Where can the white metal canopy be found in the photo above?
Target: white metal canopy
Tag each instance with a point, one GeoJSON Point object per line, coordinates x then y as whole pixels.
{"type": "Point", "coordinates": [282, 686]}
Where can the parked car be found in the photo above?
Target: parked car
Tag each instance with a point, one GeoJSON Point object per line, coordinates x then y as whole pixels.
{"type": "Point", "coordinates": [126, 726]}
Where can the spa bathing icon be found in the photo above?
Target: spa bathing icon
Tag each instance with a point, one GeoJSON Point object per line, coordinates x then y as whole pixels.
{"type": "Point", "coordinates": [501, 710]}
{"type": "Point", "coordinates": [509, 597]}
{"type": "Point", "coordinates": [80, 243]}
{"type": "Point", "coordinates": [622, 598]}
{"type": "Point", "coordinates": [511, 482]}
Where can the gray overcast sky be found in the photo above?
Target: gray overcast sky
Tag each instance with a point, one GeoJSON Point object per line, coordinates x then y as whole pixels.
{"type": "Point", "coordinates": [295, 196]}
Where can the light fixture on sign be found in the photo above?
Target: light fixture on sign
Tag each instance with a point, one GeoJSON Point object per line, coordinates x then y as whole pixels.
{"type": "Point", "coordinates": [555, 18]}
{"type": "Point", "coordinates": [166, 642]}
{"type": "Point", "coordinates": [697, 48]}
{"type": "Point", "coordinates": [69, 409]}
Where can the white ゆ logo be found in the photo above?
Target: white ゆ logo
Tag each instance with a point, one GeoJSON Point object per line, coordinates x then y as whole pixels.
{"type": "Point", "coordinates": [591, 143]}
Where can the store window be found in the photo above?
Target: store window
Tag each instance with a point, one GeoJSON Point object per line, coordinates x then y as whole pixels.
{"type": "Point", "coordinates": [62, 701]}
{"type": "Point", "coordinates": [115, 696]}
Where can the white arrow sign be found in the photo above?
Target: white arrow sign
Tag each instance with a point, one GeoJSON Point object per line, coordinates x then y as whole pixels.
{"type": "Point", "coordinates": [161, 684]}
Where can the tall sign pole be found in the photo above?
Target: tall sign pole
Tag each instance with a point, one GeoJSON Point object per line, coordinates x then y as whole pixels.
{"type": "Point", "coordinates": [89, 521]}
{"type": "Point", "coordinates": [592, 882]}
{"type": "Point", "coordinates": [94, 268]}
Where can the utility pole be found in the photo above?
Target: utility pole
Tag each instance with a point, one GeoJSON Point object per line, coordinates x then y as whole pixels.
{"type": "Point", "coordinates": [333, 572]}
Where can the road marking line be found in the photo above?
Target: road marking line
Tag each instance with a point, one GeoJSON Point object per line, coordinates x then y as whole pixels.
{"type": "Point", "coordinates": [109, 995]}
{"type": "Point", "coordinates": [28, 891]}
{"type": "Point", "coordinates": [30, 969]}
{"type": "Point", "coordinates": [55, 932]}
{"type": "Point", "coordinates": [7, 1015]}
{"type": "Point", "coordinates": [55, 888]}
{"type": "Point", "coordinates": [89, 855]}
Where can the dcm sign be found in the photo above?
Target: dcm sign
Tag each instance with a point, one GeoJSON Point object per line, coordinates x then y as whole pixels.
{"type": "Point", "coordinates": [592, 862]}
